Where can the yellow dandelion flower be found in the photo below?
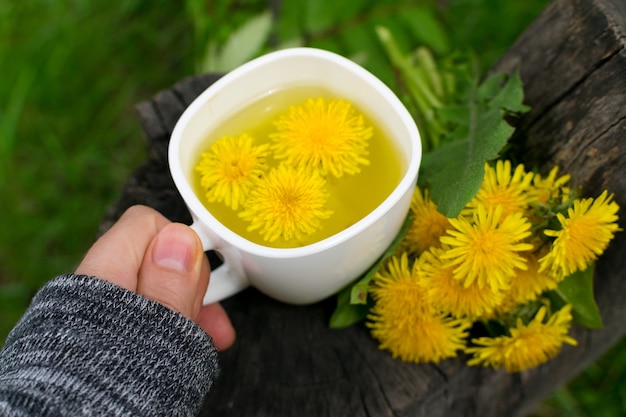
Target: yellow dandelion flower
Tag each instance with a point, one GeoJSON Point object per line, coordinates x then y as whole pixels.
{"type": "Point", "coordinates": [427, 227]}
{"type": "Point", "coordinates": [502, 186]}
{"type": "Point", "coordinates": [396, 285]}
{"type": "Point", "coordinates": [586, 232]}
{"type": "Point", "coordinates": [528, 345]}
{"type": "Point", "coordinates": [230, 168]}
{"type": "Point", "coordinates": [418, 338]}
{"type": "Point", "coordinates": [405, 324]}
{"type": "Point", "coordinates": [449, 294]}
{"type": "Point", "coordinates": [527, 285]}
{"type": "Point", "coordinates": [485, 248]}
{"type": "Point", "coordinates": [550, 187]}
{"type": "Point", "coordinates": [325, 135]}
{"type": "Point", "coordinates": [286, 203]}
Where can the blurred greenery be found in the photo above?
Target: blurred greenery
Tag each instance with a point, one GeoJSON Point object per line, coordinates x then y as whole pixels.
{"type": "Point", "coordinates": [70, 74]}
{"type": "Point", "coordinates": [71, 71]}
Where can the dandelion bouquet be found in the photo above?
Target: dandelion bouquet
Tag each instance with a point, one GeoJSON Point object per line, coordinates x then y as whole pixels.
{"type": "Point", "coordinates": [495, 261]}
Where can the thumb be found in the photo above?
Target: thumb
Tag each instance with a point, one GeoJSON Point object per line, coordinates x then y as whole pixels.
{"type": "Point", "coordinates": [172, 270]}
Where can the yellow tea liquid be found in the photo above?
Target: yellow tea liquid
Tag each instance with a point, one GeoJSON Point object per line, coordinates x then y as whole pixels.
{"type": "Point", "coordinates": [351, 198]}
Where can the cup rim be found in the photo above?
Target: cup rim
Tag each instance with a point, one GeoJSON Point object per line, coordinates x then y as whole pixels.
{"type": "Point", "coordinates": [202, 214]}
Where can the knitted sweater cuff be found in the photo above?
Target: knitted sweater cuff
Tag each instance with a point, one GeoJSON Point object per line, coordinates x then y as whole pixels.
{"type": "Point", "coordinates": [88, 347]}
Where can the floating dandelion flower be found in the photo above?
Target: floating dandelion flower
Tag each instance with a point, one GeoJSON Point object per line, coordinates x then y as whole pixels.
{"type": "Point", "coordinates": [586, 232]}
{"type": "Point", "coordinates": [485, 248]}
{"type": "Point", "coordinates": [528, 345]}
{"type": "Point", "coordinates": [230, 168]}
{"type": "Point", "coordinates": [449, 294]}
{"type": "Point", "coordinates": [405, 324]}
{"type": "Point", "coordinates": [501, 186]}
{"type": "Point", "coordinates": [325, 135]}
{"type": "Point", "coordinates": [287, 203]}
{"type": "Point", "coordinates": [427, 226]}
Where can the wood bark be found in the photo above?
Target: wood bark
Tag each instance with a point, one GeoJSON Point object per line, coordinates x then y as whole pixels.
{"type": "Point", "coordinates": [287, 362]}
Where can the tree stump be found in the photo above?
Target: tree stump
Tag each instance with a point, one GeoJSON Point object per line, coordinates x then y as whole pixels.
{"type": "Point", "coordinates": [286, 360]}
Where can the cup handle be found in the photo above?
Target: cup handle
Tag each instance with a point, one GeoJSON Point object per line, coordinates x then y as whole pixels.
{"type": "Point", "coordinates": [227, 279]}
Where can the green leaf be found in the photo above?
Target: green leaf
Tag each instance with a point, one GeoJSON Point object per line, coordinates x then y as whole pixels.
{"type": "Point", "coordinates": [577, 290]}
{"type": "Point", "coordinates": [426, 29]}
{"type": "Point", "coordinates": [417, 81]}
{"type": "Point", "coordinates": [359, 290]}
{"type": "Point", "coordinates": [504, 92]}
{"type": "Point", "coordinates": [454, 171]}
{"type": "Point", "coordinates": [360, 39]}
{"type": "Point", "coordinates": [353, 304]}
{"type": "Point", "coordinates": [289, 25]}
{"type": "Point", "coordinates": [397, 32]}
{"type": "Point", "coordinates": [243, 44]}
{"type": "Point", "coordinates": [451, 184]}
{"type": "Point", "coordinates": [347, 314]}
{"type": "Point", "coordinates": [321, 15]}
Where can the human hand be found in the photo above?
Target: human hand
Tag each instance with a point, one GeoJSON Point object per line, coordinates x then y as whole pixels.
{"type": "Point", "coordinates": [146, 253]}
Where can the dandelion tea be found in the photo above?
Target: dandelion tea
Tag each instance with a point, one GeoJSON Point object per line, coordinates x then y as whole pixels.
{"type": "Point", "coordinates": [352, 186]}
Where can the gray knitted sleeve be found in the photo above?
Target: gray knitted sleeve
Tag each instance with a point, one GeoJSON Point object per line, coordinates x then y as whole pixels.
{"type": "Point", "coordinates": [86, 347]}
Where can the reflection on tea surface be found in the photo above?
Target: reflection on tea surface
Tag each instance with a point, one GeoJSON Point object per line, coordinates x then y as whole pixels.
{"type": "Point", "coordinates": [347, 196]}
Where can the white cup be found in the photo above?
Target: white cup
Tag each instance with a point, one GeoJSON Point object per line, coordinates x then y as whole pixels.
{"type": "Point", "coordinates": [310, 273]}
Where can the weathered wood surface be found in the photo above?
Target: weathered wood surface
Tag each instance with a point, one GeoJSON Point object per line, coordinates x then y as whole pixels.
{"type": "Point", "coordinates": [287, 362]}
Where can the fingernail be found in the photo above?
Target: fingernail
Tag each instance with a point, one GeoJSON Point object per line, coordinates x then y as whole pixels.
{"type": "Point", "coordinates": [174, 250]}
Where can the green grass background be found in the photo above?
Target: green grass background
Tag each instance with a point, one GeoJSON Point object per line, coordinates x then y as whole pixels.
{"type": "Point", "coordinates": [71, 71]}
